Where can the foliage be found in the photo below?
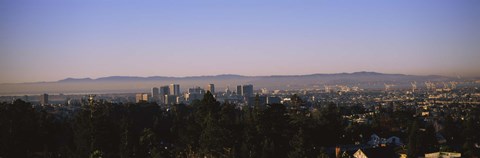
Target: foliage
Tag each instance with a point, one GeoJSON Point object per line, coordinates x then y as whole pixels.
{"type": "Point", "coordinates": [207, 128]}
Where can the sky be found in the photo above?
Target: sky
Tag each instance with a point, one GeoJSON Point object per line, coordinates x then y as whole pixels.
{"type": "Point", "coordinates": [49, 40]}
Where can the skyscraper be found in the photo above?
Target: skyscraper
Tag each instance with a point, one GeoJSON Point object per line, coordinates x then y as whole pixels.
{"type": "Point", "coordinates": [174, 89]}
{"type": "Point", "coordinates": [44, 99]}
{"type": "Point", "coordinates": [227, 91]}
{"type": "Point", "coordinates": [196, 90]}
{"type": "Point", "coordinates": [170, 99]}
{"type": "Point", "coordinates": [247, 90]}
{"type": "Point", "coordinates": [194, 94]}
{"type": "Point", "coordinates": [239, 90]}
{"type": "Point", "coordinates": [164, 90]}
{"type": "Point", "coordinates": [211, 88]}
{"type": "Point", "coordinates": [155, 94]}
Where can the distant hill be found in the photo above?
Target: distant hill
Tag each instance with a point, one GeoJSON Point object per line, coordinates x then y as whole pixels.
{"type": "Point", "coordinates": [75, 80]}
{"type": "Point", "coordinates": [124, 84]}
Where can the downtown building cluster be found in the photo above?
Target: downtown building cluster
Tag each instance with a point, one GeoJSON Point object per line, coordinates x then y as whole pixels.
{"type": "Point", "coordinates": [172, 94]}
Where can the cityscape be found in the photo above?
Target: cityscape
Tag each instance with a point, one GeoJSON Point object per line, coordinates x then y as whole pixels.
{"type": "Point", "coordinates": [239, 79]}
{"type": "Point", "coordinates": [435, 119]}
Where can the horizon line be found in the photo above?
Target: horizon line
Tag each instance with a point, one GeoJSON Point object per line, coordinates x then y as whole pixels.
{"type": "Point", "coordinates": [284, 75]}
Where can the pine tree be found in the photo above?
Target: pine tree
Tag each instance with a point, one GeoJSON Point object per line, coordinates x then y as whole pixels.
{"type": "Point", "coordinates": [414, 140]}
{"type": "Point", "coordinates": [298, 145]}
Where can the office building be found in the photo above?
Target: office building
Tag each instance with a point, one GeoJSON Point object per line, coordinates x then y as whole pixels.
{"type": "Point", "coordinates": [227, 91]}
{"type": "Point", "coordinates": [155, 94]}
{"type": "Point", "coordinates": [179, 100]}
{"type": "Point", "coordinates": [164, 90]}
{"type": "Point", "coordinates": [194, 94]}
{"type": "Point", "coordinates": [170, 99]}
{"type": "Point", "coordinates": [190, 97]}
{"type": "Point", "coordinates": [265, 91]}
{"type": "Point", "coordinates": [211, 88]}
{"type": "Point", "coordinates": [247, 90]}
{"type": "Point", "coordinates": [44, 99]}
{"type": "Point", "coordinates": [174, 89]}
{"type": "Point", "coordinates": [256, 101]}
{"type": "Point", "coordinates": [239, 90]}
{"type": "Point", "coordinates": [141, 97]}
{"type": "Point", "coordinates": [273, 100]}
{"type": "Point", "coordinates": [196, 90]}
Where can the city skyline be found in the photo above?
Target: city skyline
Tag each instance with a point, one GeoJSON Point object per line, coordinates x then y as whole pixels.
{"type": "Point", "coordinates": [54, 40]}
{"type": "Point", "coordinates": [240, 79]}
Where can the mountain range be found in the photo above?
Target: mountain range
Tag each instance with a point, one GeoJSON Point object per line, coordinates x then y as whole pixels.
{"type": "Point", "coordinates": [127, 84]}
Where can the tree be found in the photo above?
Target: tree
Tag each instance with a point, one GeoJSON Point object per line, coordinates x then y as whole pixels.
{"type": "Point", "coordinates": [297, 144]}
{"type": "Point", "coordinates": [429, 142]}
{"type": "Point", "coordinates": [82, 134]}
{"type": "Point", "coordinates": [414, 140]}
{"type": "Point", "coordinates": [297, 101]}
{"type": "Point", "coordinates": [268, 149]}
{"type": "Point", "coordinates": [450, 131]}
{"type": "Point", "coordinates": [250, 136]}
{"type": "Point", "coordinates": [322, 153]}
{"type": "Point", "coordinates": [149, 143]}
{"type": "Point", "coordinates": [18, 129]}
{"type": "Point", "coordinates": [273, 128]}
{"type": "Point", "coordinates": [215, 139]}
{"type": "Point", "coordinates": [328, 126]}
{"type": "Point", "coordinates": [126, 137]}
{"type": "Point", "coordinates": [472, 128]}
{"type": "Point", "coordinates": [96, 154]}
{"type": "Point", "coordinates": [185, 128]}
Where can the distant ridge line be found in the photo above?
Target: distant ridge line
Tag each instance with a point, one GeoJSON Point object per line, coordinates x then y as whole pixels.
{"type": "Point", "coordinates": [353, 75]}
{"type": "Point", "coordinates": [126, 78]}
{"type": "Point", "coordinates": [220, 75]}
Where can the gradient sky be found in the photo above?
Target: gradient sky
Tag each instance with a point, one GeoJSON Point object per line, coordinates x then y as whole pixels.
{"type": "Point", "coordinates": [49, 40]}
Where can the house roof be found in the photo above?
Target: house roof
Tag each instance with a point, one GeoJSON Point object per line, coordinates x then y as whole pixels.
{"type": "Point", "coordinates": [380, 152]}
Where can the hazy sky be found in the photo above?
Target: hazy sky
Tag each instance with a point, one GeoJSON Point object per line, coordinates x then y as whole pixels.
{"type": "Point", "coordinates": [48, 40]}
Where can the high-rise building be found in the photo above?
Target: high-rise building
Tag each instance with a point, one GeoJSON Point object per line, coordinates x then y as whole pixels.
{"type": "Point", "coordinates": [174, 89]}
{"type": "Point", "coordinates": [194, 94]}
{"type": "Point", "coordinates": [256, 101]}
{"type": "Point", "coordinates": [44, 99]}
{"type": "Point", "coordinates": [273, 100]}
{"type": "Point", "coordinates": [170, 99]}
{"type": "Point", "coordinates": [164, 90]}
{"type": "Point", "coordinates": [196, 90]}
{"type": "Point", "coordinates": [239, 90]}
{"type": "Point", "coordinates": [211, 88]}
{"type": "Point", "coordinates": [247, 90]}
{"type": "Point", "coordinates": [141, 97]}
{"type": "Point", "coordinates": [265, 91]}
{"type": "Point", "coordinates": [179, 100]}
{"type": "Point", "coordinates": [155, 94]}
{"type": "Point", "coordinates": [227, 91]}
{"type": "Point", "coordinates": [190, 97]}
